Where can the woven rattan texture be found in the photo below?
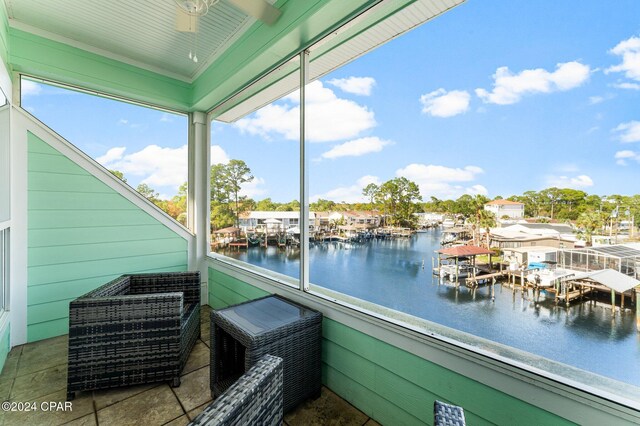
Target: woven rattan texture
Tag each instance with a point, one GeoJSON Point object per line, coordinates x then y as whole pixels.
{"type": "Point", "coordinates": [135, 329]}
{"type": "Point", "coordinates": [447, 414]}
{"type": "Point", "coordinates": [255, 399]}
{"type": "Point", "coordinates": [298, 343]}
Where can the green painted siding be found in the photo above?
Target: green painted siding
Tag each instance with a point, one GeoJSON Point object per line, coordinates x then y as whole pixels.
{"type": "Point", "coordinates": [81, 234]}
{"type": "Point", "coordinates": [45, 58]}
{"type": "Point", "coordinates": [4, 346]}
{"type": "Point", "coordinates": [4, 36]}
{"type": "Point", "coordinates": [389, 384]}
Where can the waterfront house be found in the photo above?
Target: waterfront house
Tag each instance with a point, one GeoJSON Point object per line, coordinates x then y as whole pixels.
{"type": "Point", "coordinates": [429, 219]}
{"type": "Point", "coordinates": [527, 235]}
{"type": "Point", "coordinates": [249, 221]}
{"type": "Point", "coordinates": [505, 208]}
{"type": "Point", "coordinates": [68, 225]}
{"type": "Point", "coordinates": [362, 219]}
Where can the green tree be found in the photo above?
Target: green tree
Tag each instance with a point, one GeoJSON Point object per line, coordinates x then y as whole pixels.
{"type": "Point", "coordinates": [219, 184]}
{"type": "Point", "coordinates": [589, 223]}
{"type": "Point", "coordinates": [119, 175]}
{"type": "Point", "coordinates": [322, 205]}
{"type": "Point", "coordinates": [266, 205]}
{"type": "Point", "coordinates": [237, 173]}
{"type": "Point", "coordinates": [398, 197]}
{"type": "Point", "coordinates": [370, 191]}
{"type": "Point", "coordinates": [221, 216]}
{"type": "Point", "coordinates": [148, 192]}
{"type": "Point", "coordinates": [551, 197]}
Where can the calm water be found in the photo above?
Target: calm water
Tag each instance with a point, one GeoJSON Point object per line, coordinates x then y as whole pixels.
{"type": "Point", "coordinates": [390, 273]}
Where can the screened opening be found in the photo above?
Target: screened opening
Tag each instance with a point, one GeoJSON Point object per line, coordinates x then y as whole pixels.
{"type": "Point", "coordinates": [144, 147]}
{"type": "Point", "coordinates": [401, 156]}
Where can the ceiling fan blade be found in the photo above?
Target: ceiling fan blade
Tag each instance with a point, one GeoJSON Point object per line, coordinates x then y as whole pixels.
{"type": "Point", "coordinates": [259, 9]}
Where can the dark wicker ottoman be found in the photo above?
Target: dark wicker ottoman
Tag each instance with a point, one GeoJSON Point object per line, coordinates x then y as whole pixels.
{"type": "Point", "coordinates": [135, 329]}
{"type": "Point", "coordinates": [242, 334]}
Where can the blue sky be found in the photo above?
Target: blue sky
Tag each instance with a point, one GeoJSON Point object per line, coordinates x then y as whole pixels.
{"type": "Point", "coordinates": [494, 97]}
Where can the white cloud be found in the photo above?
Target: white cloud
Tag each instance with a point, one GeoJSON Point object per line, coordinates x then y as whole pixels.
{"type": "Point", "coordinates": [477, 190]}
{"type": "Point", "coordinates": [218, 155]}
{"type": "Point", "coordinates": [357, 147]}
{"type": "Point", "coordinates": [593, 100]}
{"type": "Point", "coordinates": [123, 121]}
{"type": "Point", "coordinates": [509, 88]}
{"type": "Point", "coordinates": [628, 132]}
{"type": "Point", "coordinates": [581, 181]}
{"type": "Point", "coordinates": [433, 173]}
{"type": "Point", "coordinates": [156, 165]}
{"type": "Point", "coordinates": [440, 181]}
{"type": "Point", "coordinates": [629, 50]}
{"type": "Point", "coordinates": [441, 103]}
{"type": "Point", "coordinates": [349, 194]}
{"type": "Point", "coordinates": [626, 85]}
{"type": "Point", "coordinates": [356, 85]}
{"type": "Point", "coordinates": [30, 88]}
{"type": "Point", "coordinates": [329, 117]}
{"type": "Point", "coordinates": [112, 155]}
{"type": "Point", "coordinates": [166, 118]}
{"type": "Point", "coordinates": [622, 157]}
{"type": "Point", "coordinates": [253, 188]}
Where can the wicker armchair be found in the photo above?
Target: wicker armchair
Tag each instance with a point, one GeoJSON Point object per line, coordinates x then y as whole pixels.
{"type": "Point", "coordinates": [255, 399]}
{"type": "Point", "coordinates": [135, 329]}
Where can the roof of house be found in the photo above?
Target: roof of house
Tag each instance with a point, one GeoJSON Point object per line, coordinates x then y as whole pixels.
{"type": "Point", "coordinates": [273, 215]}
{"type": "Point", "coordinates": [459, 251]}
{"type": "Point", "coordinates": [610, 278]}
{"type": "Point", "coordinates": [504, 202]}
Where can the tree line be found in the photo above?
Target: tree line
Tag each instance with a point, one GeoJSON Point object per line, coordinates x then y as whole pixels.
{"type": "Point", "coordinates": [398, 199]}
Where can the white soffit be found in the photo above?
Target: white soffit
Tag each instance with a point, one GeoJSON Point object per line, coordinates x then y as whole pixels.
{"type": "Point", "coordinates": [366, 32]}
{"type": "Point", "coordinates": [140, 33]}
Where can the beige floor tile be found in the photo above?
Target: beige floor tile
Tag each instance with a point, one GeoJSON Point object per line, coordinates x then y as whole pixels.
{"type": "Point", "coordinates": [35, 385]}
{"type": "Point", "coordinates": [180, 421]}
{"type": "Point", "coordinates": [198, 358]}
{"type": "Point", "coordinates": [51, 410]}
{"type": "Point", "coordinates": [5, 389]}
{"type": "Point", "coordinates": [105, 397]}
{"type": "Point", "coordinates": [10, 368]}
{"type": "Point", "coordinates": [205, 314]}
{"type": "Point", "coordinates": [194, 389]}
{"type": "Point", "coordinates": [329, 409]}
{"type": "Point", "coordinates": [205, 331]}
{"type": "Point", "coordinates": [44, 354]}
{"type": "Point", "coordinates": [153, 407]}
{"type": "Point", "coordinates": [88, 420]}
{"type": "Point", "coordinates": [194, 413]}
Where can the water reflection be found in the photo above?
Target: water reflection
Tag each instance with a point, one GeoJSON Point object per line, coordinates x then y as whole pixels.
{"type": "Point", "coordinates": [391, 273]}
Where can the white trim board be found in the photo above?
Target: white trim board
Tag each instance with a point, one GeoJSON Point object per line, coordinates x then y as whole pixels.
{"type": "Point", "coordinates": [31, 124]}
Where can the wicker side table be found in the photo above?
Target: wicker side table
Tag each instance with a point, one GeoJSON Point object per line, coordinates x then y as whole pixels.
{"type": "Point", "coordinates": [242, 334]}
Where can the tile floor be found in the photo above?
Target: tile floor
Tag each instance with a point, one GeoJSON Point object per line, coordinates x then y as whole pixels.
{"type": "Point", "coordinates": [36, 372]}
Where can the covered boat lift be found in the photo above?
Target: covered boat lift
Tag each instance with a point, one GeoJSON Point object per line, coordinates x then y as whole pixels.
{"type": "Point", "coordinates": [460, 252]}
{"type": "Point", "coordinates": [605, 280]}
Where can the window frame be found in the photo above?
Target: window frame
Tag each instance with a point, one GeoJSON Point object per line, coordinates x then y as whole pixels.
{"type": "Point", "coordinates": [523, 375]}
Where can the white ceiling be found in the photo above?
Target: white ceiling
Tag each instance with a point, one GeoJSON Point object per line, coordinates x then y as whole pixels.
{"type": "Point", "coordinates": [138, 32]}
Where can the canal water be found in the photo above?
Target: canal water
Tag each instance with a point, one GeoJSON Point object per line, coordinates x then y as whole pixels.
{"type": "Point", "coordinates": [390, 273]}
